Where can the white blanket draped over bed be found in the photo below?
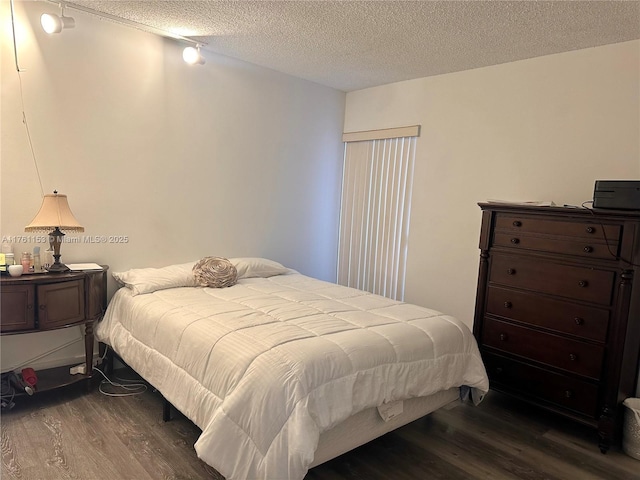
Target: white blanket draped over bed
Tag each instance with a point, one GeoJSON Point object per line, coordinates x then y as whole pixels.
{"type": "Point", "coordinates": [265, 366]}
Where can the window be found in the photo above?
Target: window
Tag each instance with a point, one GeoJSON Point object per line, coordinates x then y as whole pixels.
{"type": "Point", "coordinates": [375, 210]}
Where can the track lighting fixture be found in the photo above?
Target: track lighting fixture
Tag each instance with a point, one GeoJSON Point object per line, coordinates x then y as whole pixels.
{"type": "Point", "coordinates": [52, 23]}
{"type": "Point", "coordinates": [192, 56]}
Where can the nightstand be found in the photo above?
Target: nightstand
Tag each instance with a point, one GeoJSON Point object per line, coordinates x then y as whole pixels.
{"type": "Point", "coordinates": [42, 302]}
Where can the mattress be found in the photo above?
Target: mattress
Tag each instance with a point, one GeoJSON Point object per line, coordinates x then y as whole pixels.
{"type": "Point", "coordinates": [268, 365]}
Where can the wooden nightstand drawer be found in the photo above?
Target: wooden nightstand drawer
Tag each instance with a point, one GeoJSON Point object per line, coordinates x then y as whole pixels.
{"type": "Point", "coordinates": [583, 229]}
{"type": "Point", "coordinates": [558, 315]}
{"type": "Point", "coordinates": [560, 352]}
{"type": "Point", "coordinates": [528, 380]}
{"type": "Point", "coordinates": [584, 248]}
{"type": "Point", "coordinates": [581, 283]}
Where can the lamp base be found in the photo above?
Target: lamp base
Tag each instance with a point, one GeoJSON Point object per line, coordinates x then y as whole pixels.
{"type": "Point", "coordinates": [55, 240]}
{"type": "Point", "coordinates": [58, 267]}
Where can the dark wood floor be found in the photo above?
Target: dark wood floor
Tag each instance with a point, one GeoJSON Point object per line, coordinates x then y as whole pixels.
{"type": "Point", "coordinates": [71, 434]}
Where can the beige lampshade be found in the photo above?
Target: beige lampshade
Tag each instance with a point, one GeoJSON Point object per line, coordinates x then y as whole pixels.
{"type": "Point", "coordinates": [54, 212]}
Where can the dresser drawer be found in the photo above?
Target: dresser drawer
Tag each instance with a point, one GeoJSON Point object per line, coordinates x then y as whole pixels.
{"type": "Point", "coordinates": [553, 314]}
{"type": "Point", "coordinates": [561, 245]}
{"type": "Point", "coordinates": [564, 353]}
{"type": "Point", "coordinates": [582, 229]}
{"type": "Point", "coordinates": [581, 283]}
{"type": "Point", "coordinates": [568, 392]}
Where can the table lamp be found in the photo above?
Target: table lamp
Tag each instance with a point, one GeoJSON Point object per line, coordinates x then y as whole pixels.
{"type": "Point", "coordinates": [55, 215]}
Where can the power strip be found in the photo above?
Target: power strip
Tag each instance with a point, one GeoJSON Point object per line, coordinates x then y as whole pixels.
{"type": "Point", "coordinates": [82, 369]}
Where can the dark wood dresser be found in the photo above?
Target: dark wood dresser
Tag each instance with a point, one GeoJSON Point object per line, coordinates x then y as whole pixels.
{"type": "Point", "coordinates": [558, 309]}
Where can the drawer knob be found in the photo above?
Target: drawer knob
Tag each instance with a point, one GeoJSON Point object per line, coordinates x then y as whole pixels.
{"type": "Point", "coordinates": [508, 304]}
{"type": "Point", "coordinates": [591, 230]}
{"type": "Point", "coordinates": [583, 283]}
{"type": "Point", "coordinates": [587, 249]}
{"type": "Point", "coordinates": [573, 357]}
{"type": "Point", "coordinates": [503, 337]}
{"type": "Point", "coordinates": [511, 271]}
{"type": "Point", "coordinates": [42, 307]}
{"type": "Point", "coordinates": [578, 320]}
{"type": "Point", "coordinates": [515, 241]}
{"type": "Point", "coordinates": [568, 393]}
{"type": "Point", "coordinates": [29, 307]}
{"type": "Point", "coordinates": [517, 223]}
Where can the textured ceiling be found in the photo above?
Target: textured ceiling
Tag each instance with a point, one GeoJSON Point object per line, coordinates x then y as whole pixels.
{"type": "Point", "coordinates": [351, 45]}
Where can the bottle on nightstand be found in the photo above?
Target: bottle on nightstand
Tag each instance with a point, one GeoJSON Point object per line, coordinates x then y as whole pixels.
{"type": "Point", "coordinates": [48, 259]}
{"type": "Point", "coordinates": [37, 266]}
{"type": "Point", "coordinates": [25, 260]}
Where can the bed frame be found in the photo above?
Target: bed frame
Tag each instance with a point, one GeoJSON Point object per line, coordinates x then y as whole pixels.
{"type": "Point", "coordinates": [353, 432]}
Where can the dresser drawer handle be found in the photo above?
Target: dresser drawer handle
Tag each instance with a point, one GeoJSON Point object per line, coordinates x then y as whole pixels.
{"type": "Point", "coordinates": [508, 304]}
{"type": "Point", "coordinates": [583, 283]}
{"type": "Point", "coordinates": [568, 393]}
{"type": "Point", "coordinates": [29, 307]}
{"type": "Point", "coordinates": [517, 223]}
{"type": "Point", "coordinates": [515, 241]}
{"type": "Point", "coordinates": [43, 307]}
{"type": "Point", "coordinates": [511, 271]}
{"type": "Point", "coordinates": [503, 337]}
{"type": "Point", "coordinates": [587, 249]}
{"type": "Point", "coordinates": [573, 357]}
{"type": "Point", "coordinates": [578, 320]}
{"type": "Point", "coordinates": [591, 230]}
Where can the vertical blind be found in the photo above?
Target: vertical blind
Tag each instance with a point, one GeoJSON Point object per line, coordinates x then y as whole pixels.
{"type": "Point", "coordinates": [375, 210]}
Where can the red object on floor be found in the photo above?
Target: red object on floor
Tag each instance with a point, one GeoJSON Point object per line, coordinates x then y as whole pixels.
{"type": "Point", "coordinates": [29, 376]}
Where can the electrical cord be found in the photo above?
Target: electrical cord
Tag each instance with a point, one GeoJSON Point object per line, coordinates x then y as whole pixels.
{"type": "Point", "coordinates": [7, 392]}
{"type": "Point", "coordinates": [133, 388]}
{"type": "Point", "coordinates": [104, 355]}
{"type": "Point", "coordinates": [24, 115]}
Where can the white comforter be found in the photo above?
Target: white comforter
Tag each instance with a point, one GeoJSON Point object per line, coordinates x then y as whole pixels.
{"type": "Point", "coordinates": [265, 366]}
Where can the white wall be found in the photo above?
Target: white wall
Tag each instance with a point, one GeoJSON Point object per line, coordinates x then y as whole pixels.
{"type": "Point", "coordinates": [224, 159]}
{"type": "Point", "coordinates": [539, 129]}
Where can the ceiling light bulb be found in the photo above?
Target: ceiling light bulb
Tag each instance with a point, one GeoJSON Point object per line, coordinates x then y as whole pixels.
{"type": "Point", "coordinates": [192, 56]}
{"type": "Point", "coordinates": [52, 23]}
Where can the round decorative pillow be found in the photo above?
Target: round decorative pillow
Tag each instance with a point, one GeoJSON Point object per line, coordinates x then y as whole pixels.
{"type": "Point", "coordinates": [215, 272]}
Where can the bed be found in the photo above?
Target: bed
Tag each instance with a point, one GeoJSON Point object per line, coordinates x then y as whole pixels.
{"type": "Point", "coordinates": [281, 371]}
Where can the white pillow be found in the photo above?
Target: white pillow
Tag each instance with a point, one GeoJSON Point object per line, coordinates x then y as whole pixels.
{"type": "Point", "coordinates": [147, 280]}
{"type": "Point", "coordinates": [257, 267]}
